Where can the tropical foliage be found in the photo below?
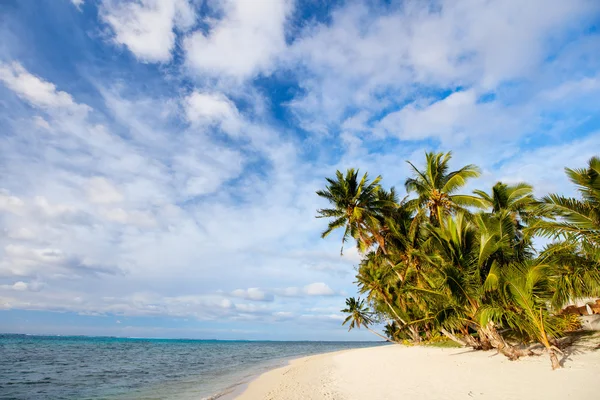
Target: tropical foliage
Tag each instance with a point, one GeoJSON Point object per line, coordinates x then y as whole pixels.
{"type": "Point", "coordinates": [463, 266]}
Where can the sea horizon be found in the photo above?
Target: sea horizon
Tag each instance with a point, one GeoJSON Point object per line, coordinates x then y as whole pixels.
{"type": "Point", "coordinates": [185, 338]}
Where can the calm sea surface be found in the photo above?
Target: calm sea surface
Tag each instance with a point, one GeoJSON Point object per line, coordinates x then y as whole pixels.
{"type": "Point", "coordinates": [50, 367]}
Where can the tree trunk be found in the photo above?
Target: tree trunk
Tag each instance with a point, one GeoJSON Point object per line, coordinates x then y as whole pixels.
{"type": "Point", "coordinates": [546, 342]}
{"type": "Point", "coordinates": [453, 337]}
{"type": "Point", "coordinates": [553, 359]}
{"type": "Point", "coordinates": [498, 342]}
{"type": "Point", "coordinates": [414, 331]}
{"type": "Point", "coordinates": [474, 343]}
{"type": "Point", "coordinates": [483, 340]}
{"type": "Point", "coordinates": [399, 320]}
{"type": "Point", "coordinates": [381, 336]}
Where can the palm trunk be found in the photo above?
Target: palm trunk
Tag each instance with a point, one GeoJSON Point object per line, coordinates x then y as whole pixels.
{"type": "Point", "coordinates": [549, 347]}
{"type": "Point", "coordinates": [553, 358]}
{"type": "Point", "coordinates": [381, 336]}
{"type": "Point", "coordinates": [474, 343]}
{"type": "Point", "coordinates": [498, 342]}
{"type": "Point", "coordinates": [399, 320]}
{"type": "Point", "coordinates": [414, 331]}
{"type": "Point", "coordinates": [453, 337]}
{"type": "Point", "coordinates": [484, 342]}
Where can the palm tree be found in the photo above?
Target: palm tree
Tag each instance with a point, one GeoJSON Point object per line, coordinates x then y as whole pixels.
{"type": "Point", "coordinates": [392, 331]}
{"type": "Point", "coordinates": [433, 265]}
{"type": "Point", "coordinates": [355, 207]}
{"type": "Point", "coordinates": [472, 255]}
{"type": "Point", "coordinates": [525, 291]}
{"type": "Point", "coordinates": [574, 262]}
{"type": "Point", "coordinates": [375, 280]}
{"type": "Point", "coordinates": [573, 271]}
{"type": "Point", "coordinates": [515, 200]}
{"type": "Point", "coordinates": [457, 246]}
{"type": "Point", "coordinates": [359, 315]}
{"type": "Point", "coordinates": [579, 218]}
{"type": "Point", "coordinates": [516, 203]}
{"type": "Point", "coordinates": [435, 186]}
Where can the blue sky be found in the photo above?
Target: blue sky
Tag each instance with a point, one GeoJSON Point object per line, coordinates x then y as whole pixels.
{"type": "Point", "coordinates": [159, 158]}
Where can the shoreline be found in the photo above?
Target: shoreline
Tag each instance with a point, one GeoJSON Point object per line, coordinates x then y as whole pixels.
{"type": "Point", "coordinates": [425, 373]}
{"type": "Point", "coordinates": [238, 389]}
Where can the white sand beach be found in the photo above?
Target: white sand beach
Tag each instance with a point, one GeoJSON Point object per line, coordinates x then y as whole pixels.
{"type": "Point", "coordinates": [427, 373]}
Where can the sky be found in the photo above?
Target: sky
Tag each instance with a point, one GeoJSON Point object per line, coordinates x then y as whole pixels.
{"type": "Point", "coordinates": [159, 158]}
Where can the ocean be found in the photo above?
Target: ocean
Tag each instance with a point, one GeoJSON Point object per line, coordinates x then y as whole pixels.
{"type": "Point", "coordinates": [78, 368]}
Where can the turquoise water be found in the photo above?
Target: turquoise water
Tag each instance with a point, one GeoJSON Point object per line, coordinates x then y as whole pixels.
{"type": "Point", "coordinates": [49, 367]}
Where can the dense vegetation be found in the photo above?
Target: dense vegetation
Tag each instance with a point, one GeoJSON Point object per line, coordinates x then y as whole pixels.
{"type": "Point", "coordinates": [463, 265]}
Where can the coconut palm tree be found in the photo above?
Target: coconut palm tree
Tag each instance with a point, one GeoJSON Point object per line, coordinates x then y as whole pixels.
{"type": "Point", "coordinates": [574, 261]}
{"type": "Point", "coordinates": [456, 244]}
{"type": "Point", "coordinates": [517, 199]}
{"type": "Point", "coordinates": [514, 204]}
{"type": "Point", "coordinates": [359, 315]}
{"type": "Point", "coordinates": [430, 264]}
{"type": "Point", "coordinates": [375, 280]}
{"type": "Point", "coordinates": [573, 271]}
{"type": "Point", "coordinates": [436, 186]}
{"type": "Point", "coordinates": [472, 255]}
{"type": "Point", "coordinates": [578, 218]}
{"type": "Point", "coordinates": [525, 292]}
{"type": "Point", "coordinates": [355, 206]}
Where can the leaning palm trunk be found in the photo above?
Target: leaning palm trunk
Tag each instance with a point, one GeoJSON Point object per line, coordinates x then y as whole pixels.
{"type": "Point", "coordinates": [454, 338]}
{"type": "Point", "coordinates": [497, 341]}
{"type": "Point", "coordinates": [414, 331]}
{"type": "Point", "coordinates": [387, 302]}
{"type": "Point", "coordinates": [483, 341]}
{"type": "Point", "coordinates": [381, 336]}
{"type": "Point", "coordinates": [553, 357]}
{"type": "Point", "coordinates": [549, 347]}
{"type": "Point", "coordinates": [480, 343]}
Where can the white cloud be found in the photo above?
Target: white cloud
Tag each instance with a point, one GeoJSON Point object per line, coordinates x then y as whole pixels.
{"type": "Point", "coordinates": [543, 167]}
{"type": "Point", "coordinates": [53, 210]}
{"type": "Point", "coordinates": [38, 92]}
{"type": "Point", "coordinates": [137, 218]}
{"type": "Point", "coordinates": [10, 203]}
{"type": "Point", "coordinates": [255, 294]}
{"type": "Point", "coordinates": [443, 117]}
{"type": "Point", "coordinates": [77, 3]}
{"type": "Point", "coordinates": [101, 191]}
{"type": "Point", "coordinates": [456, 118]}
{"type": "Point", "coordinates": [289, 292]}
{"type": "Point", "coordinates": [21, 233]}
{"type": "Point", "coordinates": [41, 122]}
{"type": "Point", "coordinates": [20, 286]}
{"type": "Point", "coordinates": [203, 172]}
{"type": "Point", "coordinates": [312, 289]}
{"type": "Point", "coordinates": [570, 88]}
{"type": "Point", "coordinates": [205, 109]}
{"type": "Point", "coordinates": [318, 289]}
{"type": "Point", "coordinates": [244, 42]}
{"type": "Point", "coordinates": [373, 59]}
{"type": "Point", "coordinates": [147, 27]}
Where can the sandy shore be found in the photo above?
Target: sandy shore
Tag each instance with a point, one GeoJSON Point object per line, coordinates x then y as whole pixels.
{"type": "Point", "coordinates": [413, 373]}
